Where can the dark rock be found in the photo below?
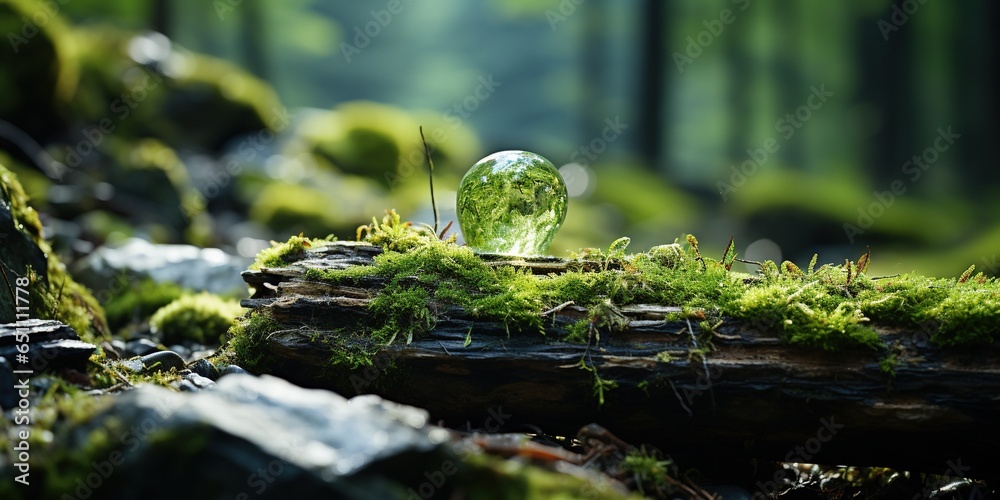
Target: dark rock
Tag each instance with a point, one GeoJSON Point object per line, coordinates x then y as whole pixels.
{"type": "Point", "coordinates": [23, 246]}
{"type": "Point", "coordinates": [8, 394]}
{"type": "Point", "coordinates": [310, 443]}
{"type": "Point", "coordinates": [51, 344]}
{"type": "Point", "coordinates": [205, 368]}
{"type": "Point", "coordinates": [140, 347]}
{"type": "Point", "coordinates": [162, 361]}
{"type": "Point", "coordinates": [231, 369]}
{"type": "Point", "coordinates": [119, 345]}
{"type": "Point", "coordinates": [208, 269]}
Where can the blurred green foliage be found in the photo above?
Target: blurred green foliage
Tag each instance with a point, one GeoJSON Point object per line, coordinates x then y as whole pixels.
{"type": "Point", "coordinates": [562, 73]}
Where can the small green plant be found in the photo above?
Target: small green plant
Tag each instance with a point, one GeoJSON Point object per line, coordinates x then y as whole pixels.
{"type": "Point", "coordinates": [601, 385]}
{"type": "Point", "coordinates": [650, 472]}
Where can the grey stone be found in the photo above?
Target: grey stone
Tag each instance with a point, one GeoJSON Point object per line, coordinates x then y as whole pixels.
{"type": "Point", "coordinates": [209, 269]}
{"type": "Point", "coordinates": [205, 368]}
{"type": "Point", "coordinates": [199, 381]}
{"type": "Point", "coordinates": [133, 365]}
{"type": "Point", "coordinates": [309, 443]}
{"type": "Point", "coordinates": [186, 386]}
{"type": "Point", "coordinates": [162, 361]}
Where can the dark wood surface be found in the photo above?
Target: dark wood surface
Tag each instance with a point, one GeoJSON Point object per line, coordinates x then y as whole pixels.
{"type": "Point", "coordinates": [752, 397]}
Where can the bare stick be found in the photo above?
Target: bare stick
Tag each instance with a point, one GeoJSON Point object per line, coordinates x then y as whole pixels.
{"type": "Point", "coordinates": [430, 166]}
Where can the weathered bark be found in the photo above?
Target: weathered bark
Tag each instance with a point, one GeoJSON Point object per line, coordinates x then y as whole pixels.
{"type": "Point", "coordinates": [753, 396]}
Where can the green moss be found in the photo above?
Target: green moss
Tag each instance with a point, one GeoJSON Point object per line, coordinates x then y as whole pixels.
{"type": "Point", "coordinates": [63, 409]}
{"type": "Point", "coordinates": [601, 385]}
{"type": "Point", "coordinates": [279, 254]}
{"type": "Point", "coordinates": [139, 301]}
{"type": "Point", "coordinates": [968, 315]}
{"type": "Point", "coordinates": [53, 294]}
{"type": "Point", "coordinates": [650, 473]}
{"type": "Point", "coordinates": [295, 208]}
{"type": "Point", "coordinates": [246, 339]}
{"type": "Point", "coordinates": [487, 476]}
{"type": "Point", "coordinates": [833, 307]}
{"type": "Point", "coordinates": [578, 332]}
{"type": "Point", "coordinates": [202, 318]}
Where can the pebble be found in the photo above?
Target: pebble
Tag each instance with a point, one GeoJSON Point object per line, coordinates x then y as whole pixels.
{"type": "Point", "coordinates": [187, 386]}
{"type": "Point", "coordinates": [162, 361]}
{"type": "Point", "coordinates": [199, 381]}
{"type": "Point", "coordinates": [230, 369]}
{"type": "Point", "coordinates": [139, 347]}
{"type": "Point", "coordinates": [205, 368]}
{"type": "Point", "coordinates": [133, 365]}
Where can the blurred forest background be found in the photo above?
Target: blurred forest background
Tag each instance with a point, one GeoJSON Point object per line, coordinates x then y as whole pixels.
{"type": "Point", "coordinates": [792, 126]}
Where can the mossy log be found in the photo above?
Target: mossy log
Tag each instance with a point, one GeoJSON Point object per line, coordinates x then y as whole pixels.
{"type": "Point", "coordinates": [753, 396]}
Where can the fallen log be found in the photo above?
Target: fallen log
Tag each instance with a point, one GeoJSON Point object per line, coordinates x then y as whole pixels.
{"type": "Point", "coordinates": [703, 393]}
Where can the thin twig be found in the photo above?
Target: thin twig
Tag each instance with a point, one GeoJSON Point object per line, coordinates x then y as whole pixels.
{"type": "Point", "coordinates": [558, 308]}
{"type": "Point", "coordinates": [430, 167]}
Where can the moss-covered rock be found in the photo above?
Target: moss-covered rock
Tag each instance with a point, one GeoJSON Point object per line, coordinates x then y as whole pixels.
{"type": "Point", "coordinates": [156, 89]}
{"type": "Point", "coordinates": [27, 258]}
{"type": "Point", "coordinates": [39, 75]}
{"type": "Point", "coordinates": [201, 318]}
{"type": "Point", "coordinates": [832, 307]}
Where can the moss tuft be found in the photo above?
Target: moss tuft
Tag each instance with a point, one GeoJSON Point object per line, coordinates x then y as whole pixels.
{"type": "Point", "coordinates": [246, 339]}
{"type": "Point", "coordinates": [201, 318]}
{"type": "Point", "coordinates": [279, 254]}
